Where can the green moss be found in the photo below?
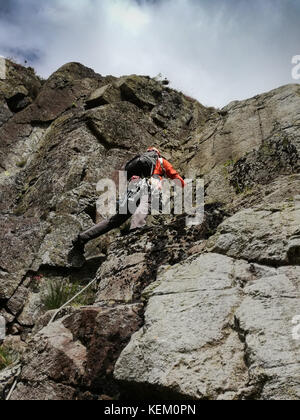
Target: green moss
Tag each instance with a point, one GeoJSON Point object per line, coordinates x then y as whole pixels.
{"type": "Point", "coordinates": [226, 167]}
{"type": "Point", "coordinates": [247, 191]}
{"type": "Point", "coordinates": [21, 163]}
{"type": "Point", "coordinates": [212, 241]}
{"type": "Point", "coordinates": [237, 188]}
{"type": "Point", "coordinates": [266, 150]}
{"type": "Point", "coordinates": [20, 210]}
{"type": "Point", "coordinates": [286, 142]}
{"type": "Point", "coordinates": [229, 163]}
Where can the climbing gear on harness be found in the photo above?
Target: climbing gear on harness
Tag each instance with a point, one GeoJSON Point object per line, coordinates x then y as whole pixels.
{"type": "Point", "coordinates": [136, 188]}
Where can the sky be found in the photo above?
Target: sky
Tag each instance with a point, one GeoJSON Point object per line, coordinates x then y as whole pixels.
{"type": "Point", "coordinates": [216, 51]}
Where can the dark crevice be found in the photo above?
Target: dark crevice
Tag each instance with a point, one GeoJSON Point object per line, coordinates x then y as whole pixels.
{"type": "Point", "coordinates": [189, 121]}
{"type": "Point", "coordinates": [54, 271]}
{"type": "Point", "coordinates": [83, 275]}
{"type": "Point", "coordinates": [41, 124]}
{"type": "Point", "coordinates": [260, 124]}
{"type": "Point", "coordinates": [147, 392]}
{"type": "Point", "coordinates": [3, 270]}
{"type": "Point", "coordinates": [18, 102]}
{"type": "Point", "coordinates": [258, 383]}
{"type": "Point", "coordinates": [160, 122]}
{"type": "Point", "coordinates": [96, 103]}
{"type": "Point", "coordinates": [10, 313]}
{"type": "Point", "coordinates": [52, 147]}
{"type": "Point", "coordinates": [128, 95]}
{"type": "Point", "coordinates": [3, 303]}
{"type": "Point", "coordinates": [294, 255]}
{"type": "Point", "coordinates": [91, 211]}
{"type": "Point", "coordinates": [27, 274]}
{"type": "Point", "coordinates": [83, 174]}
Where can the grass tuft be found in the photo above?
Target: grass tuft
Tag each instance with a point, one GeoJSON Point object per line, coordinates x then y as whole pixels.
{"type": "Point", "coordinates": [8, 357]}
{"type": "Point", "coordinates": [60, 292]}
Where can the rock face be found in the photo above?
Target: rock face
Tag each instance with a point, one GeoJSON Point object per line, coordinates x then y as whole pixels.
{"type": "Point", "coordinates": [188, 334]}
{"type": "Point", "coordinates": [199, 312]}
{"type": "Point", "coordinates": [248, 144]}
{"type": "Point", "coordinates": [17, 91]}
{"type": "Point", "coordinates": [216, 314]}
{"type": "Point", "coordinates": [268, 235]}
{"type": "Point", "coordinates": [72, 357]}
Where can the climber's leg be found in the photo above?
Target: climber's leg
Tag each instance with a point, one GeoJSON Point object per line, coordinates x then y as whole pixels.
{"type": "Point", "coordinates": [75, 256]}
{"type": "Point", "coordinates": [139, 219]}
{"type": "Point", "coordinates": [107, 225]}
{"type": "Point", "coordinates": [104, 227]}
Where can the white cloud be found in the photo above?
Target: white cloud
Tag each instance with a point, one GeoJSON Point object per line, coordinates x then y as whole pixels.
{"type": "Point", "coordinates": [129, 16]}
{"type": "Point", "coordinates": [216, 51]}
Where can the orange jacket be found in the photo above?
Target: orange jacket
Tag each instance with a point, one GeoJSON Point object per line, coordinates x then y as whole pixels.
{"type": "Point", "coordinates": [169, 171]}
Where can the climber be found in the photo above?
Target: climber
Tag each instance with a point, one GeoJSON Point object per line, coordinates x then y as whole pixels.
{"type": "Point", "coordinates": [143, 172]}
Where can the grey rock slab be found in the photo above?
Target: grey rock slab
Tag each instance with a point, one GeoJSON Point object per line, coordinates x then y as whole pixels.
{"type": "Point", "coordinates": [187, 336]}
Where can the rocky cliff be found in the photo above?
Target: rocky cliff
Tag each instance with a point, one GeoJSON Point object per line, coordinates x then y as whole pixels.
{"type": "Point", "coordinates": [177, 312]}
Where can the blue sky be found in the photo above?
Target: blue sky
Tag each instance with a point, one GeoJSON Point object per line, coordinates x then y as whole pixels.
{"type": "Point", "coordinates": [214, 50]}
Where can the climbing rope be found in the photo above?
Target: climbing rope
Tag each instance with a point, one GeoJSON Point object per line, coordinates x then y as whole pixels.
{"type": "Point", "coordinates": [70, 301]}
{"type": "Point", "coordinates": [14, 384]}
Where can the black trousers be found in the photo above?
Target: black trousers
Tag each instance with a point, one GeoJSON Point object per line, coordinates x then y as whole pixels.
{"type": "Point", "coordinates": [136, 194]}
{"type": "Point", "coordinates": [104, 227]}
{"type": "Point", "coordinates": [140, 194]}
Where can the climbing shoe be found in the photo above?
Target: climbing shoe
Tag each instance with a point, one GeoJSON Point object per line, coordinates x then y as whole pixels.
{"type": "Point", "coordinates": [76, 255]}
{"type": "Point", "coordinates": [78, 245]}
